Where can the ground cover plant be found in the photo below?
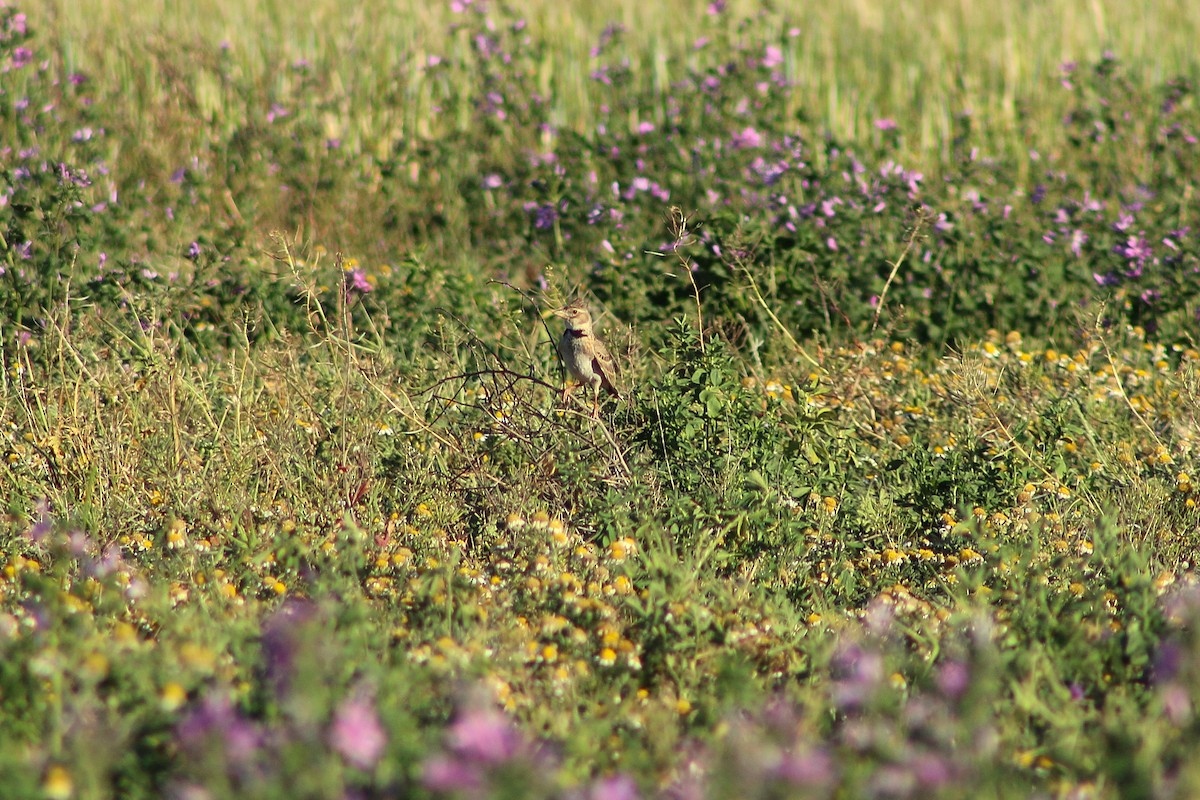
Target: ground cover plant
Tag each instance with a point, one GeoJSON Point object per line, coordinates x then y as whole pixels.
{"type": "Point", "coordinates": [898, 499]}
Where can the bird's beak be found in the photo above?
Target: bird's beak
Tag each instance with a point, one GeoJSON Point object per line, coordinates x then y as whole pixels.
{"type": "Point", "coordinates": [559, 312]}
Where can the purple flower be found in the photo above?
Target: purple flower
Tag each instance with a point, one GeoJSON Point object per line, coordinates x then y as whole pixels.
{"type": "Point", "coordinates": [356, 281]}
{"type": "Point", "coordinates": [1167, 662]}
{"type": "Point", "coordinates": [953, 678]}
{"type": "Point", "coordinates": [716, 7]}
{"type": "Point", "coordinates": [484, 736]}
{"type": "Point", "coordinates": [747, 137]}
{"type": "Point", "coordinates": [41, 529]}
{"type": "Point", "coordinates": [281, 636]}
{"type": "Point", "coordinates": [276, 112]}
{"type": "Point", "coordinates": [886, 124]}
{"type": "Point", "coordinates": [216, 720]}
{"type": "Point", "coordinates": [1135, 248]}
{"type": "Point", "coordinates": [444, 774]}
{"type": "Point", "coordinates": [932, 771]}
{"type": "Point", "coordinates": [773, 56]}
{"type": "Point", "coordinates": [616, 787]}
{"type": "Point", "coordinates": [857, 673]}
{"type": "Point", "coordinates": [809, 768]}
{"type": "Point", "coordinates": [1078, 240]}
{"type": "Point", "coordinates": [492, 181]}
{"type": "Point", "coordinates": [1176, 703]}
{"type": "Point", "coordinates": [544, 215]}
{"type": "Point", "coordinates": [356, 733]}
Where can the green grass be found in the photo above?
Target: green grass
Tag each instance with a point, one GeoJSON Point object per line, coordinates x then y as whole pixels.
{"type": "Point", "coordinates": [898, 499]}
{"type": "Point", "coordinates": [921, 63]}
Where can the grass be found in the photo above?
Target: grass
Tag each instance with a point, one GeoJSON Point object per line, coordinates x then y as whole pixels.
{"type": "Point", "coordinates": [899, 499]}
{"type": "Point", "coordinates": [848, 65]}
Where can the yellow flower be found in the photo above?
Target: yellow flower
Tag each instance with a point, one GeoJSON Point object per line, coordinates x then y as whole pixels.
{"type": "Point", "coordinates": [57, 784]}
{"type": "Point", "coordinates": [621, 549]}
{"type": "Point", "coordinates": [176, 534]}
{"type": "Point", "coordinates": [172, 697]}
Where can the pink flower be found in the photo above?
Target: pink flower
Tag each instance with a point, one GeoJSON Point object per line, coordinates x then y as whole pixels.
{"type": "Point", "coordinates": [356, 281]}
{"type": "Point", "coordinates": [356, 733]}
{"type": "Point", "coordinates": [445, 774]}
{"type": "Point", "coordinates": [748, 137]}
{"type": "Point", "coordinates": [484, 736]}
{"type": "Point", "coordinates": [618, 787]}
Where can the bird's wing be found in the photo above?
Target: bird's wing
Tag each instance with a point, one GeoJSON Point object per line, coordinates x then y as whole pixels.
{"type": "Point", "coordinates": [604, 366]}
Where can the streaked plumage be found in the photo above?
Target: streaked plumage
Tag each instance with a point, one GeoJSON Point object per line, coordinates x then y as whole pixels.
{"type": "Point", "coordinates": [586, 358]}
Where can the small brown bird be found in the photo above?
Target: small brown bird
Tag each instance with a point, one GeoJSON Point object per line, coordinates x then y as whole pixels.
{"type": "Point", "coordinates": [585, 356]}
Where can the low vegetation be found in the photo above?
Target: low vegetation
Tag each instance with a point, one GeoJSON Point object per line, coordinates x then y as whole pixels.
{"type": "Point", "coordinates": [898, 499]}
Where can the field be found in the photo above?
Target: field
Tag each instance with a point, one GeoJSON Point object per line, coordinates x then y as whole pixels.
{"type": "Point", "coordinates": [898, 499]}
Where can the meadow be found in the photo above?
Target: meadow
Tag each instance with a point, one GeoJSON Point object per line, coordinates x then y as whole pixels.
{"type": "Point", "coordinates": [899, 499]}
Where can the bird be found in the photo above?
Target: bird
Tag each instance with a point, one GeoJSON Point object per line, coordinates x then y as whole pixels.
{"type": "Point", "coordinates": [586, 358]}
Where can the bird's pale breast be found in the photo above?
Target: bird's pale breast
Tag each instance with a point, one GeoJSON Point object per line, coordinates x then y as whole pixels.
{"type": "Point", "coordinates": [577, 355]}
